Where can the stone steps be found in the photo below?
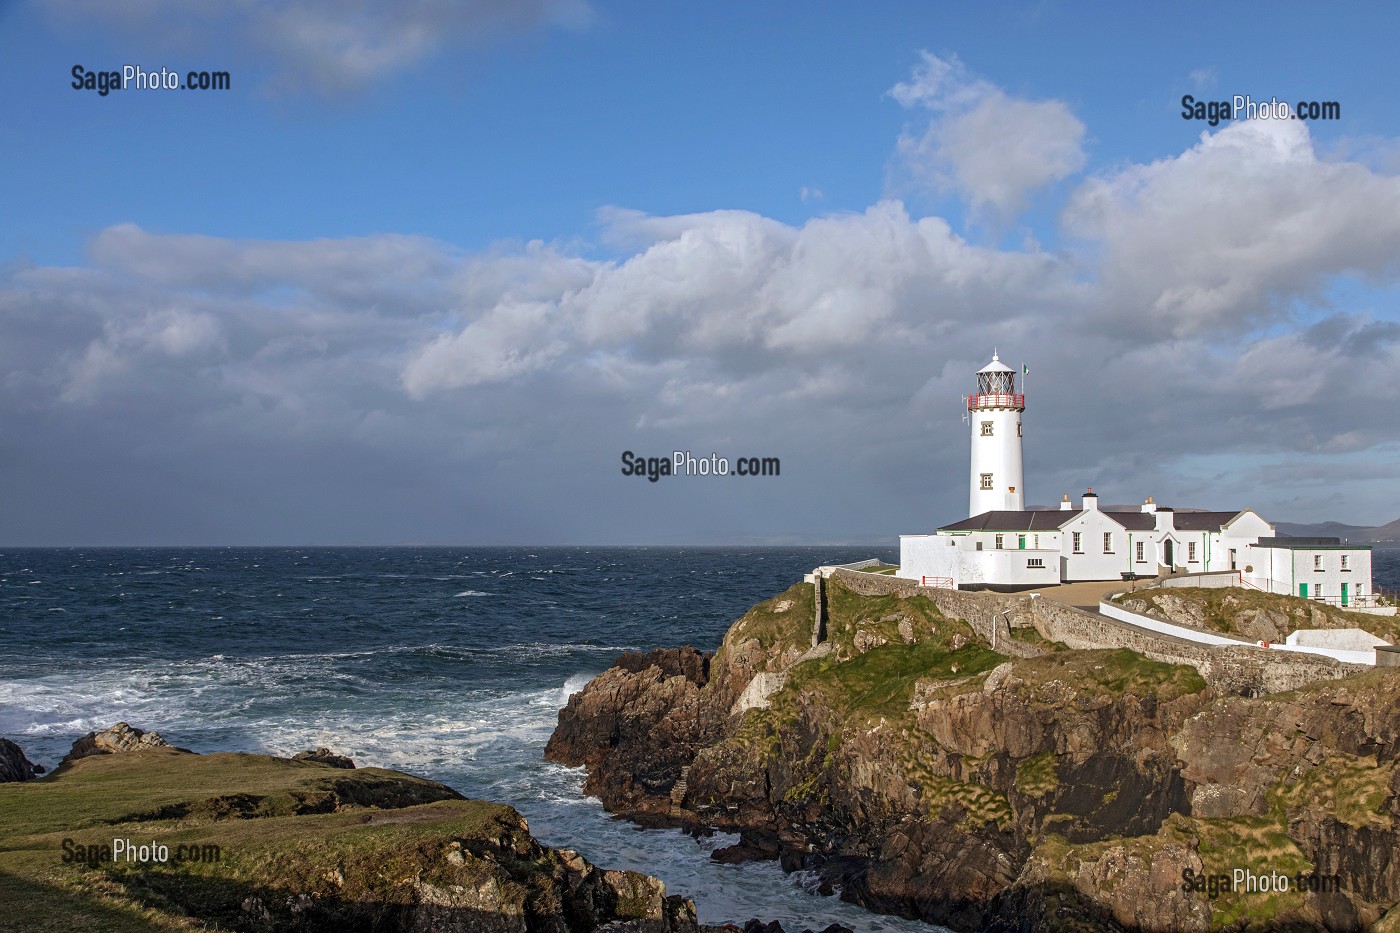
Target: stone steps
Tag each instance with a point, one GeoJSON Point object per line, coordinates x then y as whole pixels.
{"type": "Point", "coordinates": [679, 789]}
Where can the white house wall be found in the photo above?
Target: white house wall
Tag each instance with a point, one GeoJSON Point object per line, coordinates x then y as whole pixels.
{"type": "Point", "coordinates": [1184, 558]}
{"type": "Point", "coordinates": [1093, 563]}
{"type": "Point", "coordinates": [1012, 567]}
{"type": "Point", "coordinates": [956, 558]}
{"type": "Point", "coordinates": [1286, 570]}
{"type": "Point", "coordinates": [929, 556]}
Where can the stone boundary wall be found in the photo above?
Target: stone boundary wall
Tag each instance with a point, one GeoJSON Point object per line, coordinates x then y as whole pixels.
{"type": "Point", "coordinates": [989, 618]}
{"type": "Point", "coordinates": [859, 565]}
{"type": "Point", "coordinates": [1242, 669]}
{"type": "Point", "coordinates": [1160, 626]}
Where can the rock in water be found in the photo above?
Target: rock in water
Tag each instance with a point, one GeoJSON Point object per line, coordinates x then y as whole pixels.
{"type": "Point", "coordinates": [758, 926]}
{"type": "Point", "coordinates": [324, 756]}
{"type": "Point", "coordinates": [118, 738]}
{"type": "Point", "coordinates": [14, 766]}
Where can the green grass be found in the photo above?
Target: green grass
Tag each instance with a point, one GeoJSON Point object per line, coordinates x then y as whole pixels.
{"type": "Point", "coordinates": [783, 621]}
{"type": "Point", "coordinates": [1036, 776]}
{"type": "Point", "coordinates": [353, 839]}
{"type": "Point", "coordinates": [1353, 789]}
{"type": "Point", "coordinates": [880, 682]}
{"type": "Point", "coordinates": [164, 783]}
{"type": "Point", "coordinates": [1030, 636]}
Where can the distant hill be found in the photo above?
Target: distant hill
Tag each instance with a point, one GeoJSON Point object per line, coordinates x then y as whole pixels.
{"type": "Point", "coordinates": [1382, 535]}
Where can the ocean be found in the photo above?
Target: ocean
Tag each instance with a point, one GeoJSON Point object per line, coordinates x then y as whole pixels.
{"type": "Point", "coordinates": [450, 663]}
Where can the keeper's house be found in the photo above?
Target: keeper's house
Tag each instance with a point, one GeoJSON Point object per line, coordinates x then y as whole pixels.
{"type": "Point", "coordinates": [1005, 545]}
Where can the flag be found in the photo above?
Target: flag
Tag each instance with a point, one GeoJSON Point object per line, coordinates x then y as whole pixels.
{"type": "Point", "coordinates": [1025, 370]}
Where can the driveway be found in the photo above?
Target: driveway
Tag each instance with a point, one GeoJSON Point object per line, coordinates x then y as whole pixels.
{"type": "Point", "coordinates": [1088, 595]}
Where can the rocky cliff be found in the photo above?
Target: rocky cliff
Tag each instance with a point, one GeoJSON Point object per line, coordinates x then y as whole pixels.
{"type": "Point", "coordinates": [926, 775]}
{"type": "Point", "coordinates": [140, 836]}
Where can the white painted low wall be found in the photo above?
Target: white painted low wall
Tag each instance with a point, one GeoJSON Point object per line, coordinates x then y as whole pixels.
{"type": "Point", "coordinates": [1209, 638]}
{"type": "Point", "coordinates": [1214, 579]}
{"type": "Point", "coordinates": [1166, 628]}
{"type": "Point", "coordinates": [1348, 639]}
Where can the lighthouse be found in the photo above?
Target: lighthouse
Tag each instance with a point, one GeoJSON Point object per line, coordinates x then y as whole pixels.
{"type": "Point", "coordinates": [994, 412]}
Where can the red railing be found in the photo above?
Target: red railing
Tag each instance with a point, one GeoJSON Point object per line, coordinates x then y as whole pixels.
{"type": "Point", "coordinates": [945, 583]}
{"type": "Point", "coordinates": [996, 401]}
{"type": "Point", "coordinates": [1245, 583]}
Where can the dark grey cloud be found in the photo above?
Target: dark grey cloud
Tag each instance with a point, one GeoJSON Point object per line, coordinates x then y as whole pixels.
{"type": "Point", "coordinates": [193, 389]}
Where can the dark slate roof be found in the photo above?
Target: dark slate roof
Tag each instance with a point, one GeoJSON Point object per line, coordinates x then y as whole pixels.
{"type": "Point", "coordinates": [1044, 520]}
{"type": "Point", "coordinates": [1038, 520]}
{"type": "Point", "coordinates": [1134, 521]}
{"type": "Point", "coordinates": [1202, 521]}
{"type": "Point", "coordinates": [1052, 519]}
{"type": "Point", "coordinates": [1283, 541]}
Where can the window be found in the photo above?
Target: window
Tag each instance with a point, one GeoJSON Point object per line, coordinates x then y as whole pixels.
{"type": "Point", "coordinates": [1191, 551]}
{"type": "Point", "coordinates": [986, 429]}
{"type": "Point", "coordinates": [1317, 591]}
{"type": "Point", "coordinates": [1108, 542]}
{"type": "Point", "coordinates": [999, 542]}
{"type": "Point", "coordinates": [1077, 545]}
{"type": "Point", "coordinates": [1140, 558]}
{"type": "Point", "coordinates": [986, 481]}
{"type": "Point", "coordinates": [1018, 429]}
{"type": "Point", "coordinates": [1035, 562]}
{"type": "Point", "coordinates": [1345, 562]}
{"type": "Point", "coordinates": [1317, 561]}
{"type": "Point", "coordinates": [1036, 545]}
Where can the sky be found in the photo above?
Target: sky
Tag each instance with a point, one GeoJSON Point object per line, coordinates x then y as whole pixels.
{"type": "Point", "coordinates": [424, 271]}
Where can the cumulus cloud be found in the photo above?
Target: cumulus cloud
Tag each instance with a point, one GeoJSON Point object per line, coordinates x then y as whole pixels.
{"type": "Point", "coordinates": [993, 149]}
{"type": "Point", "coordinates": [331, 45]}
{"type": "Point", "coordinates": [1235, 232]}
{"type": "Point", "coordinates": [740, 293]}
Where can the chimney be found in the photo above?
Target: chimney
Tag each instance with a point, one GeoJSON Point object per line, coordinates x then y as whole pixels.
{"type": "Point", "coordinates": [1066, 505]}
{"type": "Point", "coordinates": [1091, 501]}
{"type": "Point", "coordinates": [1149, 506]}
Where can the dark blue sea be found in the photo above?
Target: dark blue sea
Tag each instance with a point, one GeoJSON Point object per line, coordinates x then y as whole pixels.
{"type": "Point", "coordinates": [450, 663]}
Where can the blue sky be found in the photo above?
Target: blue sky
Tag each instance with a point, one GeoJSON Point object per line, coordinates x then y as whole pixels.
{"type": "Point", "coordinates": [425, 271]}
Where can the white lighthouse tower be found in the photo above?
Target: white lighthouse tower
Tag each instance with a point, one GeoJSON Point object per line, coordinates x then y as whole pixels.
{"type": "Point", "coordinates": [995, 414]}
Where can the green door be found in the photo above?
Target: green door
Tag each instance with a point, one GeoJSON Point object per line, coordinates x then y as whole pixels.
{"type": "Point", "coordinates": [1303, 590]}
{"type": "Point", "coordinates": [1344, 595]}
{"type": "Point", "coordinates": [1021, 542]}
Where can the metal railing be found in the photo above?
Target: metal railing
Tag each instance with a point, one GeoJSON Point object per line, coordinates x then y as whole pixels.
{"type": "Point", "coordinates": [984, 400]}
{"type": "Point", "coordinates": [1350, 601]}
{"type": "Point", "coordinates": [943, 583]}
